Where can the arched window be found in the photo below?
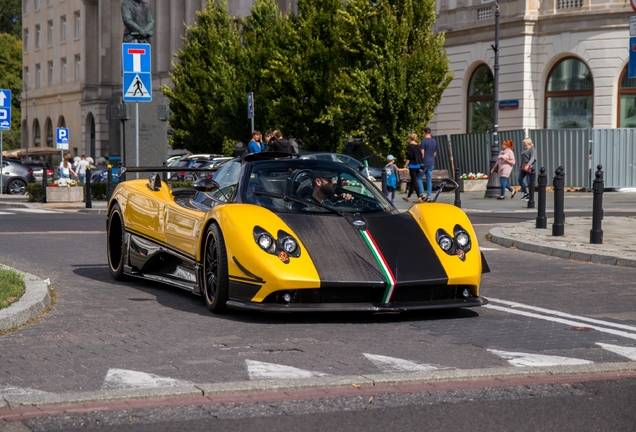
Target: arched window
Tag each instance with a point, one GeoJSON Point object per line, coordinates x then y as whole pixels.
{"type": "Point", "coordinates": [481, 101]}
{"type": "Point", "coordinates": [627, 101]}
{"type": "Point", "coordinates": [36, 134]}
{"type": "Point", "coordinates": [569, 96]}
{"type": "Point", "coordinates": [49, 133]}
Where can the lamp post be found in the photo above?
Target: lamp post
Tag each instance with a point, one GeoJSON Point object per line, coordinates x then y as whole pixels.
{"type": "Point", "coordinates": [493, 190]}
{"type": "Point", "coordinates": [26, 105]}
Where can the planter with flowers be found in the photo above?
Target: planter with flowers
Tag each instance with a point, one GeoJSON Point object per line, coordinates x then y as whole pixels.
{"type": "Point", "coordinates": [64, 190]}
{"type": "Point", "coordinates": [472, 182]}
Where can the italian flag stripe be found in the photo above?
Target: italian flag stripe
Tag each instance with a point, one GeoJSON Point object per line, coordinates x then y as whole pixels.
{"type": "Point", "coordinates": [386, 270]}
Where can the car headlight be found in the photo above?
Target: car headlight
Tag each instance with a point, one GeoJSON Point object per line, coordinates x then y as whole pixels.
{"type": "Point", "coordinates": [462, 238]}
{"type": "Point", "coordinates": [265, 241]}
{"type": "Point", "coordinates": [290, 245]}
{"type": "Point", "coordinates": [445, 242]}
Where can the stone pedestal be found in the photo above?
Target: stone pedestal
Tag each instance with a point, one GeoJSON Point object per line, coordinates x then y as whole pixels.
{"type": "Point", "coordinates": [473, 185]}
{"type": "Point", "coordinates": [64, 194]}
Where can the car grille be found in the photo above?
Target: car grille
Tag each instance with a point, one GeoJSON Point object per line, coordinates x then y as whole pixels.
{"type": "Point", "coordinates": [420, 293]}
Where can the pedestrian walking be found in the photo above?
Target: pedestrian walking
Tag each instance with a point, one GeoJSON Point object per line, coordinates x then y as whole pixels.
{"type": "Point", "coordinates": [391, 171]}
{"type": "Point", "coordinates": [81, 168]}
{"type": "Point", "coordinates": [66, 168]}
{"type": "Point", "coordinates": [429, 151]}
{"type": "Point", "coordinates": [528, 160]}
{"type": "Point", "coordinates": [414, 164]}
{"type": "Point", "coordinates": [255, 145]}
{"type": "Point", "coordinates": [504, 165]}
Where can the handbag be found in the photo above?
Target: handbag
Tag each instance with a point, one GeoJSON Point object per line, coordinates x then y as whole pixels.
{"type": "Point", "coordinates": [526, 168]}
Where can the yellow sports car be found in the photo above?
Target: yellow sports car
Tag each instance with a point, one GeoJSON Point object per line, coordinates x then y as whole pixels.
{"type": "Point", "coordinates": [273, 233]}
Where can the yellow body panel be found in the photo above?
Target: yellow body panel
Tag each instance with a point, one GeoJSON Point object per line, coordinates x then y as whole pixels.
{"type": "Point", "coordinates": [237, 222]}
{"type": "Point", "coordinates": [433, 216]}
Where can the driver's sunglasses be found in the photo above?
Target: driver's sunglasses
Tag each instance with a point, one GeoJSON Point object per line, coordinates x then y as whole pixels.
{"type": "Point", "coordinates": [331, 180]}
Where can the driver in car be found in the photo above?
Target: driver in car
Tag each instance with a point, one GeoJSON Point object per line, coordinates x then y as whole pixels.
{"type": "Point", "coordinates": [324, 192]}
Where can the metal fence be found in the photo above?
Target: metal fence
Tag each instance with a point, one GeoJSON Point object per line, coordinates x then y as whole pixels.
{"type": "Point", "coordinates": [578, 151]}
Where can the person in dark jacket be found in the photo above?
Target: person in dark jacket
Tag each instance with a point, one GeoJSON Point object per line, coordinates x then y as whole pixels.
{"type": "Point", "coordinates": [280, 144]}
{"type": "Point", "coordinates": [528, 159]}
{"type": "Point", "coordinates": [414, 164]}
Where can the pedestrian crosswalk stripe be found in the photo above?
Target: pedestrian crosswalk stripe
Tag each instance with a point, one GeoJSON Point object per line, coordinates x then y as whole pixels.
{"type": "Point", "coordinates": [391, 364]}
{"type": "Point", "coordinates": [537, 360]}
{"type": "Point", "coordinates": [122, 379]}
{"type": "Point", "coordinates": [629, 352]}
{"type": "Point", "coordinates": [264, 371]}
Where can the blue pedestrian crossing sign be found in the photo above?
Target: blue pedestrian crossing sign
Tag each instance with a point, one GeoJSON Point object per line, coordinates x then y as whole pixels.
{"type": "Point", "coordinates": [136, 65]}
{"type": "Point", "coordinates": [5, 109]}
{"type": "Point", "coordinates": [61, 138]}
{"type": "Point", "coordinates": [632, 58]}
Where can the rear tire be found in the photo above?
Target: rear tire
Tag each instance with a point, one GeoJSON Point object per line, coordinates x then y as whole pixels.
{"type": "Point", "coordinates": [115, 242]}
{"type": "Point", "coordinates": [215, 276]}
{"type": "Point", "coordinates": [16, 187]}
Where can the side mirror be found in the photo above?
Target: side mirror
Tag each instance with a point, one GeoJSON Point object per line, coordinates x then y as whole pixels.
{"type": "Point", "coordinates": [205, 185]}
{"type": "Point", "coordinates": [445, 185]}
{"type": "Point", "coordinates": [154, 182]}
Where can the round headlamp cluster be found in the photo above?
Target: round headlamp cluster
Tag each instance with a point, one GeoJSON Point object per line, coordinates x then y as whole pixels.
{"type": "Point", "coordinates": [458, 244]}
{"type": "Point", "coordinates": [285, 246]}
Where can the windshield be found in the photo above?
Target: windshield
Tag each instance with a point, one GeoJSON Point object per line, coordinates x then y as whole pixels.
{"type": "Point", "coordinates": [312, 186]}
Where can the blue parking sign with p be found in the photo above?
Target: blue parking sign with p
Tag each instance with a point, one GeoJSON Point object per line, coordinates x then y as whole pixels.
{"type": "Point", "coordinates": [61, 136]}
{"type": "Point", "coordinates": [5, 109]}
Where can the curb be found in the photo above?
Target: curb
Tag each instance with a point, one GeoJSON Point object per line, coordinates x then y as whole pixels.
{"type": "Point", "coordinates": [34, 301]}
{"type": "Point", "coordinates": [383, 382]}
{"type": "Point", "coordinates": [497, 236]}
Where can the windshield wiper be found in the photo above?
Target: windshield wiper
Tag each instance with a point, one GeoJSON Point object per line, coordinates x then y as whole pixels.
{"type": "Point", "coordinates": [288, 198]}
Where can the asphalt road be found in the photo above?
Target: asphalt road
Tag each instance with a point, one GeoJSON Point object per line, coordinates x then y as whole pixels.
{"type": "Point", "coordinates": [99, 328]}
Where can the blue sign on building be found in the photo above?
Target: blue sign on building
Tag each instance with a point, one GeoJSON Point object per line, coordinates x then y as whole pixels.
{"type": "Point", "coordinates": [632, 57]}
{"type": "Point", "coordinates": [5, 109]}
{"type": "Point", "coordinates": [61, 138]}
{"type": "Point", "coordinates": [509, 104]}
{"type": "Point", "coordinates": [136, 64]}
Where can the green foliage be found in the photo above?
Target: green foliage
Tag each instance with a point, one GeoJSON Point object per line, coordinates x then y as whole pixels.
{"type": "Point", "coordinates": [11, 79]}
{"type": "Point", "coordinates": [335, 70]}
{"type": "Point", "coordinates": [11, 17]}
{"type": "Point", "coordinates": [207, 104]}
{"type": "Point", "coordinates": [11, 287]}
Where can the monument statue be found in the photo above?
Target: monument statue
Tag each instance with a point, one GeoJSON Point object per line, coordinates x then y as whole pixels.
{"type": "Point", "coordinates": [138, 21]}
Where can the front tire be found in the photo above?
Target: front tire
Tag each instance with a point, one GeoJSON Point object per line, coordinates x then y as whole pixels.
{"type": "Point", "coordinates": [116, 232]}
{"type": "Point", "coordinates": [215, 277]}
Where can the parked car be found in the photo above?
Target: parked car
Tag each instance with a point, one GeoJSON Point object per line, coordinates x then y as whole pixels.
{"type": "Point", "coordinates": [15, 177]}
{"type": "Point", "coordinates": [101, 176]}
{"type": "Point", "coordinates": [38, 168]}
{"type": "Point", "coordinates": [374, 172]}
{"type": "Point", "coordinates": [189, 161]}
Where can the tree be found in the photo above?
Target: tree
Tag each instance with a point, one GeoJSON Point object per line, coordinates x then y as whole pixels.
{"type": "Point", "coordinates": [11, 79]}
{"type": "Point", "coordinates": [11, 17]}
{"type": "Point", "coordinates": [207, 103]}
{"type": "Point", "coordinates": [397, 67]}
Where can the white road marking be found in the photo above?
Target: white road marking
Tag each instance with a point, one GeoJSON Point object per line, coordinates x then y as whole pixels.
{"type": "Point", "coordinates": [6, 213]}
{"type": "Point", "coordinates": [537, 360]}
{"type": "Point", "coordinates": [122, 379]}
{"type": "Point", "coordinates": [18, 391]}
{"type": "Point", "coordinates": [562, 321]}
{"type": "Point", "coordinates": [391, 364]}
{"type": "Point", "coordinates": [30, 210]}
{"type": "Point", "coordinates": [488, 249]}
{"type": "Point", "coordinates": [629, 352]}
{"type": "Point", "coordinates": [263, 371]}
{"type": "Point", "coordinates": [563, 314]}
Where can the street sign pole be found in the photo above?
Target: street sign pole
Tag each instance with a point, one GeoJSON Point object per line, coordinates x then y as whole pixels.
{"type": "Point", "coordinates": [137, 136]}
{"type": "Point", "coordinates": [0, 162]}
{"type": "Point", "coordinates": [250, 108]}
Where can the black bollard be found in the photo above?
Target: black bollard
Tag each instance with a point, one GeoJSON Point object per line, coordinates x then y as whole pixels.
{"type": "Point", "coordinates": [45, 181]}
{"type": "Point", "coordinates": [558, 228]}
{"type": "Point", "coordinates": [165, 174]}
{"type": "Point", "coordinates": [542, 222]}
{"type": "Point", "coordinates": [385, 192]}
{"type": "Point", "coordinates": [109, 183]}
{"type": "Point", "coordinates": [533, 176]}
{"type": "Point", "coordinates": [458, 200]}
{"type": "Point", "coordinates": [89, 201]}
{"type": "Point", "coordinates": [596, 233]}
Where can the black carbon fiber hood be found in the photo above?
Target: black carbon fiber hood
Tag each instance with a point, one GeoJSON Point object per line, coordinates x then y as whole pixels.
{"type": "Point", "coordinates": [343, 258]}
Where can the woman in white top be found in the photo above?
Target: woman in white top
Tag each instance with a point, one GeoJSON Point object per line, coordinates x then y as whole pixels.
{"type": "Point", "coordinates": [66, 168]}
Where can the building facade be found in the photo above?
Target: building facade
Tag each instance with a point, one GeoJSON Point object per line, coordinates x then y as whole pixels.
{"type": "Point", "coordinates": [562, 64]}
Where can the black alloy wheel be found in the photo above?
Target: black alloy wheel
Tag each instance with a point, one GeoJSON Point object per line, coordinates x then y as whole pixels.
{"type": "Point", "coordinates": [115, 242]}
{"type": "Point", "coordinates": [215, 277]}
